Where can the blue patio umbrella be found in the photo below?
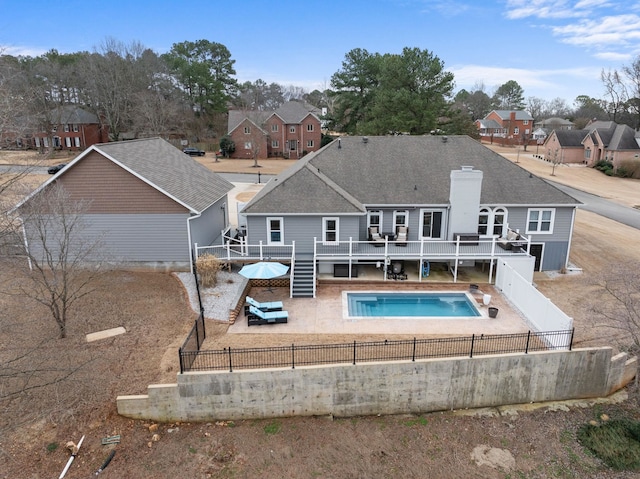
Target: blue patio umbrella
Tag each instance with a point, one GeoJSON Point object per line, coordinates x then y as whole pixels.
{"type": "Point", "coordinates": [264, 270]}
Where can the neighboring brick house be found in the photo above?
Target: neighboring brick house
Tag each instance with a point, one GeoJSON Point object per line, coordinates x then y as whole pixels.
{"type": "Point", "coordinates": [600, 140]}
{"type": "Point", "coordinates": [508, 127]}
{"type": "Point", "coordinates": [71, 128]}
{"type": "Point", "coordinates": [291, 131]}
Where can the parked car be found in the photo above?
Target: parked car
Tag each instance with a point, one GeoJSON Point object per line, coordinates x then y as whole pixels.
{"type": "Point", "coordinates": [54, 169]}
{"type": "Point", "coordinates": [193, 151]}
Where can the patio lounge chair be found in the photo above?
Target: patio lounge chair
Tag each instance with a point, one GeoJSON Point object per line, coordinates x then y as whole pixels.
{"type": "Point", "coordinates": [401, 236]}
{"type": "Point", "coordinates": [257, 317]}
{"type": "Point", "coordinates": [374, 236]}
{"type": "Point", "coordinates": [270, 306]}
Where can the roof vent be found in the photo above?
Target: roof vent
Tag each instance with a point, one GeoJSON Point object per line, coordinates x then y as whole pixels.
{"type": "Point", "coordinates": [444, 139]}
{"type": "Point", "coordinates": [365, 139]}
{"type": "Point", "coordinates": [467, 168]}
{"type": "Point", "coordinates": [339, 145]}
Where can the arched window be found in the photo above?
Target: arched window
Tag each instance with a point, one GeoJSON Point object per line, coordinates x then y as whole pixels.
{"type": "Point", "coordinates": [499, 221]}
{"type": "Point", "coordinates": [483, 221]}
{"type": "Point", "coordinates": [492, 222]}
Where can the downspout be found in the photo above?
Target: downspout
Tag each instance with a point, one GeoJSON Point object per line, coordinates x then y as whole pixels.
{"type": "Point", "coordinates": [26, 244]}
{"type": "Point", "coordinates": [573, 219]}
{"type": "Point", "coordinates": [191, 258]}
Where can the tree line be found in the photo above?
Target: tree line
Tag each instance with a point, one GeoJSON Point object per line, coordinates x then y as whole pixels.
{"type": "Point", "coordinates": [189, 90]}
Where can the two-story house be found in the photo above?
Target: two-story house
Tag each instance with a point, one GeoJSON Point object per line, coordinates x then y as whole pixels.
{"type": "Point", "coordinates": [436, 190]}
{"type": "Point", "coordinates": [70, 128]}
{"type": "Point", "coordinates": [509, 127]}
{"type": "Point", "coordinates": [291, 131]}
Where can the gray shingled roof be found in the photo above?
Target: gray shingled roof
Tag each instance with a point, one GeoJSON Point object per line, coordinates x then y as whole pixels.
{"type": "Point", "coordinates": [400, 170]}
{"type": "Point", "coordinates": [169, 170]}
{"type": "Point", "coordinates": [520, 114]}
{"type": "Point", "coordinates": [571, 138]}
{"type": "Point", "coordinates": [291, 112]}
{"type": "Point", "coordinates": [72, 115]}
{"type": "Point", "coordinates": [236, 117]}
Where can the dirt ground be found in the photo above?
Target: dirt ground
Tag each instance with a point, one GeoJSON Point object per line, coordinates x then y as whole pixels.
{"type": "Point", "coordinates": [152, 307]}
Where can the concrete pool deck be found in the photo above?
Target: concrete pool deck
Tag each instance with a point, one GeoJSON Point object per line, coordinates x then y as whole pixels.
{"type": "Point", "coordinates": [324, 314]}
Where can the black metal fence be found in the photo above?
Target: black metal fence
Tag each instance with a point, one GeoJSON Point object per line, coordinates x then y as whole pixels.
{"type": "Point", "coordinates": [192, 359]}
{"type": "Point", "coordinates": [192, 344]}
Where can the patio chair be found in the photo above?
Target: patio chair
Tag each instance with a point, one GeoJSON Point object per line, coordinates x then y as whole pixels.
{"type": "Point", "coordinates": [257, 317]}
{"type": "Point", "coordinates": [375, 237]}
{"type": "Point", "coordinates": [269, 306]}
{"type": "Point", "coordinates": [401, 236]}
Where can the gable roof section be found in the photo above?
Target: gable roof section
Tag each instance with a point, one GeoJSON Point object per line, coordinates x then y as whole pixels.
{"type": "Point", "coordinates": [236, 117]}
{"type": "Point", "coordinates": [294, 112]}
{"type": "Point", "coordinates": [489, 123]}
{"type": "Point", "coordinates": [289, 191]}
{"type": "Point", "coordinates": [401, 171]}
{"type": "Point", "coordinates": [167, 169]}
{"type": "Point", "coordinates": [291, 112]}
{"type": "Point", "coordinates": [571, 138]}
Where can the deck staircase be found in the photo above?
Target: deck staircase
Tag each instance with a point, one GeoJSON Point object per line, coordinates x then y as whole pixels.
{"type": "Point", "coordinates": [304, 278]}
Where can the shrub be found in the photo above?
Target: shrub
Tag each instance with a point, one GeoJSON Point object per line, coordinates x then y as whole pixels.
{"type": "Point", "coordinates": [208, 266]}
{"type": "Point", "coordinates": [603, 165]}
{"type": "Point", "coordinates": [615, 442]}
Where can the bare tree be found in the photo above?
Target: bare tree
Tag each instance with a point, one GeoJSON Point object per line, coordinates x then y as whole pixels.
{"type": "Point", "coordinates": [622, 284]}
{"type": "Point", "coordinates": [615, 93]}
{"type": "Point", "coordinates": [64, 256]}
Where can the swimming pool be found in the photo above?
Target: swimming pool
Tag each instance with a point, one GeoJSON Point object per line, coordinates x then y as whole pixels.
{"type": "Point", "coordinates": [409, 304]}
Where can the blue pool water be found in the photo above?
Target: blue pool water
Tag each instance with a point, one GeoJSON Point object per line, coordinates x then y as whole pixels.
{"type": "Point", "coordinates": [411, 304]}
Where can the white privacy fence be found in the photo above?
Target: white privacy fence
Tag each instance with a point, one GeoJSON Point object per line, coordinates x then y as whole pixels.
{"type": "Point", "coordinates": [539, 311]}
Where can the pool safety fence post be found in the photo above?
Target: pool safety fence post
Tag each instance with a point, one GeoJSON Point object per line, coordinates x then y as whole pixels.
{"type": "Point", "coordinates": [473, 337]}
{"type": "Point", "coordinates": [354, 352]}
{"type": "Point", "coordinates": [293, 356]}
{"type": "Point", "coordinates": [573, 330]}
{"type": "Point", "coordinates": [526, 348]}
{"type": "Point", "coordinates": [413, 356]}
{"type": "Point", "coordinates": [230, 362]}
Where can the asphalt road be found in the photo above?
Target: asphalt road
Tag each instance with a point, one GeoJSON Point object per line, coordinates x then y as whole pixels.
{"type": "Point", "coordinates": [608, 209]}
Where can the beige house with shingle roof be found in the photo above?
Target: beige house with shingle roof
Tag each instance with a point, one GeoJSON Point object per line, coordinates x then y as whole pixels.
{"type": "Point", "coordinates": [150, 202]}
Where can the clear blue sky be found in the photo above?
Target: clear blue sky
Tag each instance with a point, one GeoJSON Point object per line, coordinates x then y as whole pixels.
{"type": "Point", "coordinates": [552, 48]}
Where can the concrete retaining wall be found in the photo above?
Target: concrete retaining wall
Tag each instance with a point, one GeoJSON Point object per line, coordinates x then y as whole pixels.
{"type": "Point", "coordinates": [385, 388]}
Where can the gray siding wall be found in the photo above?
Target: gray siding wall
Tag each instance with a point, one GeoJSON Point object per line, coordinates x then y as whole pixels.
{"type": "Point", "coordinates": [517, 220]}
{"type": "Point", "coordinates": [301, 229]}
{"type": "Point", "coordinates": [142, 237]}
{"type": "Point", "coordinates": [207, 228]}
{"type": "Point", "coordinates": [554, 254]}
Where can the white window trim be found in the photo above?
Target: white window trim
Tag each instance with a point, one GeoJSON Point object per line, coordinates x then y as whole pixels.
{"type": "Point", "coordinates": [275, 144]}
{"type": "Point", "coordinates": [397, 213]}
{"type": "Point", "coordinates": [269, 230]}
{"type": "Point", "coordinates": [292, 129]}
{"type": "Point", "coordinates": [309, 126]}
{"type": "Point", "coordinates": [369, 214]}
{"type": "Point", "coordinates": [325, 230]}
{"type": "Point", "coordinates": [309, 143]}
{"type": "Point", "coordinates": [541, 210]}
{"type": "Point", "coordinates": [491, 220]}
{"type": "Point", "coordinates": [442, 224]}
